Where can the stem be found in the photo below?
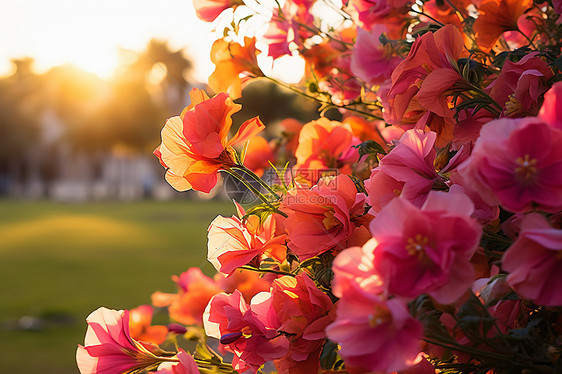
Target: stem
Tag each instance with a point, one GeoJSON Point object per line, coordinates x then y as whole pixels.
{"type": "Point", "coordinates": [207, 365]}
{"type": "Point", "coordinates": [279, 272]}
{"type": "Point", "coordinates": [211, 351]}
{"type": "Point", "coordinates": [497, 237]}
{"type": "Point", "coordinates": [255, 191]}
{"type": "Point", "coordinates": [258, 179]}
{"type": "Point", "coordinates": [459, 13]}
{"type": "Point", "coordinates": [316, 30]}
{"type": "Point", "coordinates": [255, 10]}
{"type": "Point", "coordinates": [527, 38]}
{"type": "Point", "coordinates": [428, 16]}
{"type": "Point", "coordinates": [473, 351]}
{"type": "Point", "coordinates": [297, 91]}
{"type": "Point", "coordinates": [168, 359]}
{"type": "Point", "coordinates": [492, 101]}
{"type": "Point", "coordinates": [341, 12]}
{"type": "Point", "coordinates": [504, 43]}
{"type": "Point", "coordinates": [528, 362]}
{"type": "Point", "coordinates": [313, 29]}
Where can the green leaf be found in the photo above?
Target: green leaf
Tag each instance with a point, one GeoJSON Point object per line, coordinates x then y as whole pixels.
{"type": "Point", "coordinates": [442, 158]}
{"type": "Point", "coordinates": [281, 175]}
{"type": "Point", "coordinates": [244, 151]}
{"type": "Point", "coordinates": [329, 355]}
{"type": "Point", "coordinates": [202, 353]}
{"type": "Point", "coordinates": [369, 147]}
{"type": "Point", "coordinates": [245, 18]}
{"type": "Point", "coordinates": [262, 211]}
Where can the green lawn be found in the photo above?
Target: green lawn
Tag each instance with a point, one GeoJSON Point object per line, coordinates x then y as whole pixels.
{"type": "Point", "coordinates": [59, 262]}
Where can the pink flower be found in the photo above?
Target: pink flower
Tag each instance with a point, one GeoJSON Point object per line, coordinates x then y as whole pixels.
{"type": "Point", "coordinates": [186, 365]}
{"type": "Point", "coordinates": [372, 61]}
{"type": "Point", "coordinates": [366, 13]}
{"type": "Point", "coordinates": [285, 30]}
{"type": "Point", "coordinates": [235, 242]}
{"type": "Point", "coordinates": [340, 84]}
{"type": "Point", "coordinates": [411, 162]}
{"type": "Point", "coordinates": [354, 266]}
{"type": "Point", "coordinates": [302, 310]}
{"type": "Point", "coordinates": [286, 324]}
{"type": "Point", "coordinates": [534, 261]}
{"type": "Point", "coordinates": [248, 331]}
{"type": "Point", "coordinates": [518, 163]}
{"type": "Point", "coordinates": [375, 334]}
{"type": "Point", "coordinates": [109, 347]}
{"type": "Point", "coordinates": [427, 250]}
{"type": "Point", "coordinates": [195, 290]}
{"type": "Point", "coordinates": [484, 213]}
{"type": "Point", "coordinates": [491, 291]}
{"type": "Point", "coordinates": [381, 189]}
{"type": "Point", "coordinates": [209, 10]}
{"type": "Point", "coordinates": [468, 126]}
{"type": "Point", "coordinates": [421, 367]}
{"type": "Point", "coordinates": [287, 365]}
{"type": "Point", "coordinates": [321, 218]}
{"type": "Point", "coordinates": [551, 109]}
{"type": "Point", "coordinates": [520, 84]}
{"type": "Point", "coordinates": [420, 83]}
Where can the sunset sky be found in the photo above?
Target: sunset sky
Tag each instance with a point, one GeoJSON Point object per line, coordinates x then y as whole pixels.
{"type": "Point", "coordinates": [87, 33]}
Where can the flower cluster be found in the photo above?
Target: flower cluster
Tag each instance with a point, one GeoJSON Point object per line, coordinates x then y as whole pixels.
{"type": "Point", "coordinates": [418, 232]}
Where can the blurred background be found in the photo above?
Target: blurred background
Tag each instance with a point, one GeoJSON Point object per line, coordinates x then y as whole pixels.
{"type": "Point", "coordinates": [86, 218]}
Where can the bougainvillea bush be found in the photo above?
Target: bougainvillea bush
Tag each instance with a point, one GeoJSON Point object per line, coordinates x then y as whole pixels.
{"type": "Point", "coordinates": [420, 233]}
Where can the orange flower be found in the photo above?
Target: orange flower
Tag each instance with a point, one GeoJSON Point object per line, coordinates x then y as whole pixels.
{"type": "Point", "coordinates": [231, 59]}
{"type": "Point", "coordinates": [291, 130]}
{"type": "Point", "coordinates": [238, 241]}
{"type": "Point", "coordinates": [195, 289]}
{"type": "Point", "coordinates": [140, 320]}
{"type": "Point", "coordinates": [195, 145]}
{"type": "Point", "coordinates": [364, 129]}
{"type": "Point", "coordinates": [325, 144]}
{"type": "Point", "coordinates": [320, 59]}
{"type": "Point", "coordinates": [497, 17]}
{"type": "Point", "coordinates": [249, 283]}
{"type": "Point", "coordinates": [259, 154]}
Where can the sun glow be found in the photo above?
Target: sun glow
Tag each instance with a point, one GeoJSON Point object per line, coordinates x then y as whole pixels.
{"type": "Point", "coordinates": [88, 34]}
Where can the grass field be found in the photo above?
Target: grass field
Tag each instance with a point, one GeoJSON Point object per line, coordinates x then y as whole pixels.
{"type": "Point", "coordinates": [59, 262]}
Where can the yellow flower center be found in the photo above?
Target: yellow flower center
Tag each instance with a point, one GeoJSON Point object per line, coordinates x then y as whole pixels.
{"type": "Point", "coordinates": [246, 332]}
{"type": "Point", "coordinates": [513, 105]}
{"type": "Point", "coordinates": [330, 221]}
{"type": "Point", "coordinates": [427, 67]}
{"type": "Point", "coordinates": [526, 168]}
{"type": "Point", "coordinates": [380, 315]}
{"type": "Point", "coordinates": [416, 245]}
{"type": "Point", "coordinates": [327, 158]}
